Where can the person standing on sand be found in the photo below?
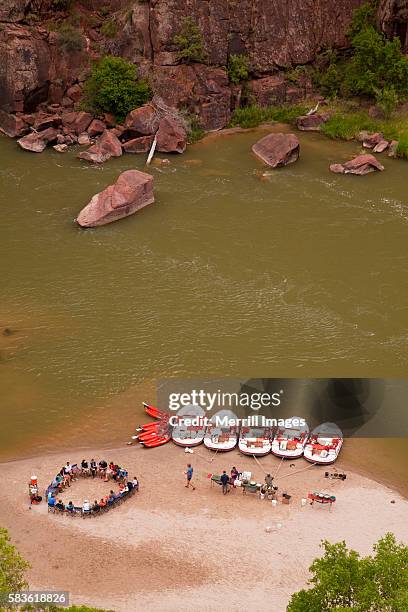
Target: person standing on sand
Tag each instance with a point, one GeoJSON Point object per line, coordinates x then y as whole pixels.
{"type": "Point", "coordinates": [189, 475]}
{"type": "Point", "coordinates": [224, 481]}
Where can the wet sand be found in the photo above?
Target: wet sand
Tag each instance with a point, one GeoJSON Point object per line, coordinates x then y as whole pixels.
{"type": "Point", "coordinates": [168, 548]}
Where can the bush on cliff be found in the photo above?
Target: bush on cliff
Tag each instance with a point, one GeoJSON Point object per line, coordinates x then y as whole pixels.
{"type": "Point", "coordinates": [237, 69]}
{"type": "Point", "coordinates": [342, 580]}
{"type": "Point", "coordinates": [112, 87]}
{"type": "Point", "coordinates": [189, 42]}
{"type": "Point", "coordinates": [70, 38]}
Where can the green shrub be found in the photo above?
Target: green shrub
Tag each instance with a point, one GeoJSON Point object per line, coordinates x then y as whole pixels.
{"type": "Point", "coordinates": [195, 132]}
{"type": "Point", "coordinates": [377, 63]}
{"type": "Point", "coordinates": [363, 17]}
{"type": "Point", "coordinates": [69, 38]}
{"type": "Point", "coordinates": [342, 580]}
{"type": "Point", "coordinates": [252, 116]}
{"type": "Point", "coordinates": [387, 100]}
{"type": "Point", "coordinates": [109, 29]}
{"type": "Point", "coordinates": [402, 149]}
{"type": "Point", "coordinates": [113, 87]}
{"type": "Point", "coordinates": [189, 42]}
{"type": "Point", "coordinates": [12, 565]}
{"type": "Point", "coordinates": [238, 68]}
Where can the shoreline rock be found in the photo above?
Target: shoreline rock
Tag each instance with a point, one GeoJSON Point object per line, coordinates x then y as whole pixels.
{"type": "Point", "coordinates": [360, 165]}
{"type": "Point", "coordinates": [277, 149]}
{"type": "Point", "coordinates": [132, 191]}
{"type": "Point", "coordinates": [107, 146]}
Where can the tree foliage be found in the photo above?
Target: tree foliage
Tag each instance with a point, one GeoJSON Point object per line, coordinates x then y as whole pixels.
{"type": "Point", "coordinates": [113, 87]}
{"type": "Point", "coordinates": [342, 580]}
{"type": "Point", "coordinates": [12, 565]}
{"type": "Point", "coordinates": [189, 42]}
{"type": "Point", "coordinates": [238, 68]}
{"type": "Point", "coordinates": [376, 63]}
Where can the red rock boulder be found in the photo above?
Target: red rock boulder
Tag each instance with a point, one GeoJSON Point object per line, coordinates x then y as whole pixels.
{"type": "Point", "coordinates": [311, 123]}
{"type": "Point", "coordinates": [37, 141]}
{"type": "Point", "coordinates": [96, 127]}
{"type": "Point", "coordinates": [138, 145]}
{"type": "Point", "coordinates": [360, 165]}
{"type": "Point", "coordinates": [107, 146]}
{"type": "Point", "coordinates": [171, 136]}
{"type": "Point", "coordinates": [277, 149]}
{"type": "Point", "coordinates": [132, 191]}
{"type": "Point", "coordinates": [77, 122]}
{"type": "Point", "coordinates": [144, 120]}
{"type": "Point", "coordinates": [11, 125]}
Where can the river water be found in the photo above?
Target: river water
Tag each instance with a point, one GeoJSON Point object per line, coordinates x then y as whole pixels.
{"type": "Point", "coordinates": [234, 271]}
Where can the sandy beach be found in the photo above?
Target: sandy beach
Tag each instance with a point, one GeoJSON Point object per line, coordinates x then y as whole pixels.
{"type": "Point", "coordinates": [169, 548]}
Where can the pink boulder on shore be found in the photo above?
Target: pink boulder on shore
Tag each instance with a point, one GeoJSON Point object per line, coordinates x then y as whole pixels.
{"type": "Point", "coordinates": [362, 164]}
{"type": "Point", "coordinates": [37, 141]}
{"type": "Point", "coordinates": [132, 191]}
{"type": "Point", "coordinates": [277, 149]}
{"type": "Point", "coordinates": [107, 146]}
{"type": "Point", "coordinates": [171, 136]}
{"type": "Point", "coordinates": [311, 123]}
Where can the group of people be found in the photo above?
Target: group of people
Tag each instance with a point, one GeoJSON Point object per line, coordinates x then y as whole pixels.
{"type": "Point", "coordinates": [229, 480]}
{"type": "Point", "coordinates": [69, 472]}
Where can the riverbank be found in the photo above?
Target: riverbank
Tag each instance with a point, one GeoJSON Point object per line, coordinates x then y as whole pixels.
{"type": "Point", "coordinates": [178, 545]}
{"type": "Point", "coordinates": [346, 119]}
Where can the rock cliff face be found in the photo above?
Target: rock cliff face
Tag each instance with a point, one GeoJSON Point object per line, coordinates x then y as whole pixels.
{"type": "Point", "coordinates": [274, 34]}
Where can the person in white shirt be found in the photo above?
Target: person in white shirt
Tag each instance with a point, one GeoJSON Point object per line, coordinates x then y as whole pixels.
{"type": "Point", "coordinates": [86, 506]}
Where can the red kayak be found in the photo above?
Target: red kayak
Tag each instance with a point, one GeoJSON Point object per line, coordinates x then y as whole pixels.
{"type": "Point", "coordinates": [155, 412]}
{"type": "Point", "coordinates": [158, 441]}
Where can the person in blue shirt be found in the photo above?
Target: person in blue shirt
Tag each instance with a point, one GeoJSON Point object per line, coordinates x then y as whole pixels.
{"type": "Point", "coordinates": [52, 501]}
{"type": "Point", "coordinates": [189, 475]}
{"type": "Point", "coordinates": [224, 481]}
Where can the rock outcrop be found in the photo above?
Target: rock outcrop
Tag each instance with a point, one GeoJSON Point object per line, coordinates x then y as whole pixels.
{"type": "Point", "coordinates": [144, 120]}
{"type": "Point", "coordinates": [35, 68]}
{"type": "Point", "coordinates": [277, 149]}
{"type": "Point", "coordinates": [11, 125]}
{"type": "Point", "coordinates": [362, 164]}
{"type": "Point", "coordinates": [132, 191]}
{"type": "Point", "coordinates": [107, 146]}
{"type": "Point", "coordinates": [171, 136]}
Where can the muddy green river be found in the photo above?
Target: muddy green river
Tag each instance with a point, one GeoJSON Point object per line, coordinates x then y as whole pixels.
{"type": "Point", "coordinates": [234, 271]}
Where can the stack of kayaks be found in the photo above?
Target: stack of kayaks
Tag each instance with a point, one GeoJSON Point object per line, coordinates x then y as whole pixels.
{"type": "Point", "coordinates": [157, 432]}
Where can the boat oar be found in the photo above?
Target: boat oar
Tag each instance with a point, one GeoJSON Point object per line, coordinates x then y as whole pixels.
{"type": "Point", "coordinates": [298, 471]}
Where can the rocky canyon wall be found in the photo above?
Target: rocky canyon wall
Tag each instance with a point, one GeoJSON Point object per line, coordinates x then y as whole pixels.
{"type": "Point", "coordinates": [274, 34]}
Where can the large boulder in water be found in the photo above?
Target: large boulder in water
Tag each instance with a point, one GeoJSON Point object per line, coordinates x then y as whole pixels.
{"type": "Point", "coordinates": [171, 136]}
{"type": "Point", "coordinates": [362, 164]}
{"type": "Point", "coordinates": [37, 141]}
{"type": "Point", "coordinates": [132, 191]}
{"type": "Point", "coordinates": [277, 149]}
{"type": "Point", "coordinates": [108, 145]}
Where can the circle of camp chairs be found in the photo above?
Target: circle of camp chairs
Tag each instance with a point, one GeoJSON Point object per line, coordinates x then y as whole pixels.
{"type": "Point", "coordinates": [79, 511]}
